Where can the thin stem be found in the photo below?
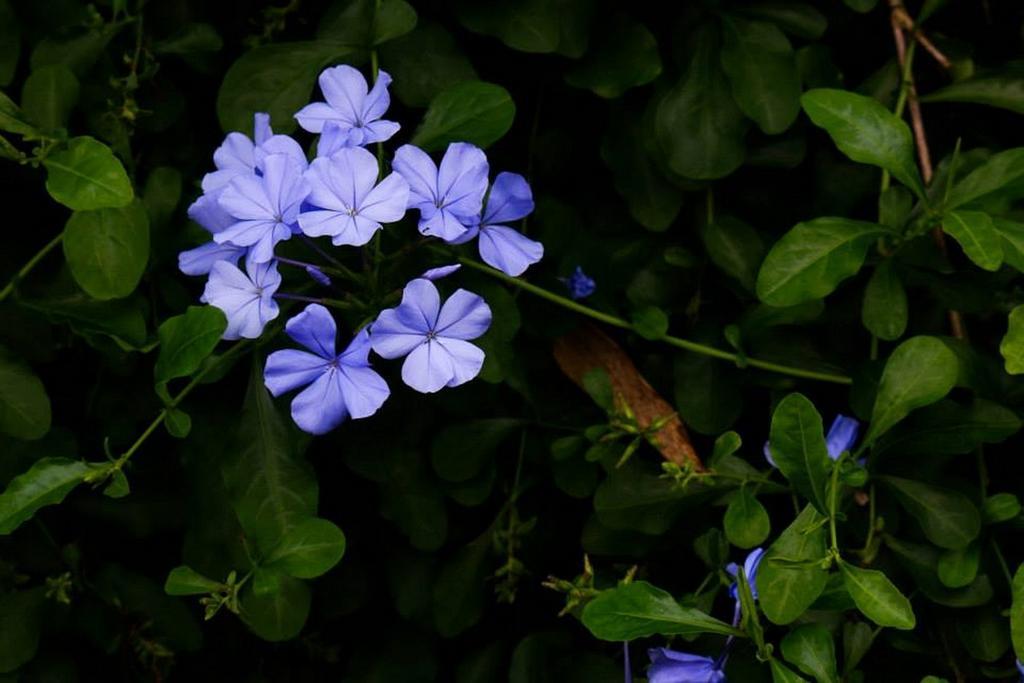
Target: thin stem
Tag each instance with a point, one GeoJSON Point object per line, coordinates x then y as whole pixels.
{"type": "Point", "coordinates": [342, 270]}
{"type": "Point", "coordinates": [678, 342]}
{"type": "Point", "coordinates": [1002, 564]}
{"type": "Point", "coordinates": [323, 301]}
{"type": "Point", "coordinates": [833, 502]}
{"type": "Point", "coordinates": [32, 263]}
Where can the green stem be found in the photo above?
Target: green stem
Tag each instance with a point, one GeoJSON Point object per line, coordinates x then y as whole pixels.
{"type": "Point", "coordinates": [32, 263]}
{"type": "Point", "coordinates": [678, 342]}
{"type": "Point", "coordinates": [833, 503]}
{"type": "Point", "coordinates": [162, 415]}
{"type": "Point", "coordinates": [901, 100]}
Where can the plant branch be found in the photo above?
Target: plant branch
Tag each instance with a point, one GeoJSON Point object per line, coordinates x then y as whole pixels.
{"type": "Point", "coordinates": [678, 342]}
{"type": "Point", "coordinates": [29, 265]}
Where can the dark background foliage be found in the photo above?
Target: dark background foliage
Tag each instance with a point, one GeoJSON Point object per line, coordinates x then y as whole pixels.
{"type": "Point", "coordinates": [442, 574]}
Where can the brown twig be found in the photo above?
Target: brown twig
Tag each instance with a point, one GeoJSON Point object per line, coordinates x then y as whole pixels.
{"type": "Point", "coordinates": [900, 22]}
{"type": "Point", "coordinates": [903, 20]}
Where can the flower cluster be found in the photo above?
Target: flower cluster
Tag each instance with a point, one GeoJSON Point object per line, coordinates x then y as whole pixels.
{"type": "Point", "coordinates": [266, 191]}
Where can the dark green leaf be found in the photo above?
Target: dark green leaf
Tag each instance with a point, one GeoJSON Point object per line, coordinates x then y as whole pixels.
{"type": "Point", "coordinates": [876, 597]}
{"type": "Point", "coordinates": [653, 202]}
{"type": "Point", "coordinates": [187, 581]}
{"type": "Point", "coordinates": [811, 649]}
{"type": "Point", "coordinates": [958, 568]}
{"type": "Point", "coordinates": [186, 340]}
{"type": "Point", "coordinates": [1003, 88]}
{"type": "Point", "coordinates": [650, 322]}
{"type": "Point", "coordinates": [24, 404]}
{"type": "Point", "coordinates": [974, 232]}
{"type": "Point", "coordinates": [276, 79]}
{"type": "Point", "coordinates": [308, 549]}
{"type": "Point", "coordinates": [798, 447]}
{"type": "Point", "coordinates": [812, 259]}
{"type": "Point", "coordinates": [366, 23]}
{"type": "Point", "coordinates": [1000, 507]}
{"type": "Point", "coordinates": [1017, 613]}
{"type": "Point", "coordinates": [107, 249]}
{"type": "Point", "coordinates": [865, 131]}
{"type": "Point", "coordinates": [735, 247]}
{"type": "Point", "coordinates": [279, 615]}
{"type": "Point", "coordinates": [49, 95]}
{"type": "Point", "coordinates": [87, 176]}
{"type": "Point", "coordinates": [791, 577]}
{"type": "Point", "coordinates": [697, 125]}
{"type": "Point", "coordinates": [47, 482]}
{"type": "Point", "coordinates": [746, 522]}
{"type": "Point", "coordinates": [884, 312]}
{"type": "Point", "coordinates": [461, 451]}
{"type": "Point", "coordinates": [459, 592]}
{"type": "Point", "coordinates": [783, 674]}
{"type": "Point", "coordinates": [626, 58]}
{"type": "Point", "coordinates": [21, 614]}
{"type": "Point", "coordinates": [423, 63]}
{"type": "Point", "coordinates": [639, 610]}
{"type": "Point", "coordinates": [796, 18]}
{"type": "Point", "coordinates": [1012, 345]}
{"type": "Point", "coordinates": [948, 518]}
{"type": "Point", "coordinates": [921, 371]}
{"type": "Point", "coordinates": [998, 171]}
{"type": "Point", "coordinates": [761, 67]}
{"type": "Point", "coordinates": [471, 111]}
{"type": "Point", "coordinates": [531, 25]}
{"type": "Point", "coordinates": [10, 43]}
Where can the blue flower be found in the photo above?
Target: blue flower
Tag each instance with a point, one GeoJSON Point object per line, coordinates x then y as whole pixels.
{"type": "Point", "coordinates": [200, 261]}
{"type": "Point", "coordinates": [339, 384]}
{"type": "Point", "coordinates": [1020, 668]}
{"type": "Point", "coordinates": [354, 110]}
{"type": "Point", "coordinates": [841, 437]}
{"type": "Point", "coordinates": [579, 284]}
{"type": "Point", "coordinates": [236, 155]}
{"type": "Point", "coordinates": [265, 208]}
{"type": "Point", "coordinates": [448, 197]}
{"type": "Point", "coordinates": [669, 666]}
{"type": "Point", "coordinates": [441, 271]}
{"type": "Point", "coordinates": [346, 202]}
{"type": "Point", "coordinates": [750, 566]}
{"type": "Point", "coordinates": [433, 337]}
{"type": "Point", "coordinates": [247, 299]}
{"type": "Point", "coordinates": [508, 250]}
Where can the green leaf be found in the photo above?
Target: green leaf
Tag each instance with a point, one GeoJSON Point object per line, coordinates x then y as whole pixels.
{"type": "Point", "coordinates": [191, 39]}
{"type": "Point", "coordinates": [997, 172]}
{"type": "Point", "coordinates": [858, 636]}
{"type": "Point", "coordinates": [24, 404]}
{"type": "Point", "coordinates": [640, 610]}
{"type": "Point", "coordinates": [948, 427]}
{"type": "Point", "coordinates": [653, 201]}
{"type": "Point", "coordinates": [783, 674]}
{"type": "Point", "coordinates": [812, 259]}
{"type": "Point", "coordinates": [798, 19]}
{"type": "Point", "coordinates": [625, 58]}
{"type": "Point", "coordinates": [746, 521]}
{"type": "Point", "coordinates": [1012, 345]}
{"type": "Point", "coordinates": [811, 649]}
{"type": "Point", "coordinates": [121, 319]}
{"type": "Point", "coordinates": [459, 593]}
{"type": "Point", "coordinates": [1000, 507]}
{"type": "Point", "coordinates": [49, 96]}
{"type": "Point", "coordinates": [366, 23]}
{"type": "Point", "coordinates": [308, 549]}
{"type": "Point", "coordinates": [876, 597]}
{"type": "Point", "coordinates": [948, 518]}
{"type": "Point", "coordinates": [276, 79]}
{"type": "Point", "coordinates": [761, 67]}
{"type": "Point", "coordinates": [423, 63]}
{"type": "Point", "coordinates": [187, 581]}
{"type": "Point", "coordinates": [921, 561]}
{"type": "Point", "coordinates": [862, 6]}
{"type": "Point", "coordinates": [974, 231]}
{"type": "Point", "coordinates": [47, 482]}
{"type": "Point", "coordinates": [539, 26]}
{"type": "Point", "coordinates": [21, 620]}
{"type": "Point", "coordinates": [866, 132]}
{"type": "Point", "coordinates": [459, 452]}
{"type": "Point", "coordinates": [471, 111]}
{"type": "Point", "coordinates": [1003, 88]}
{"type": "Point", "coordinates": [186, 340]}
{"type": "Point", "coordinates": [984, 633]}
{"type": "Point", "coordinates": [797, 443]}
{"type": "Point", "coordinates": [87, 176]}
{"type": "Point", "coordinates": [10, 43]}
{"type": "Point", "coordinates": [78, 52]}
{"type": "Point", "coordinates": [921, 371]}
{"type": "Point", "coordinates": [107, 249]}
{"type": "Point", "coordinates": [650, 322]}
{"type": "Point", "coordinates": [12, 119]}
{"type": "Point", "coordinates": [271, 488]}
{"type": "Point", "coordinates": [884, 312]}
{"type": "Point", "coordinates": [1016, 613]}
{"type": "Point", "coordinates": [697, 125]}
{"type": "Point", "coordinates": [279, 615]}
{"type": "Point", "coordinates": [791, 577]}
{"type": "Point", "coordinates": [735, 247]}
{"type": "Point", "coordinates": [958, 568]}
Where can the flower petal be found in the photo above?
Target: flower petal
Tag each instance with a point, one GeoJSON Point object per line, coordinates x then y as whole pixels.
{"type": "Point", "coordinates": [391, 338]}
{"type": "Point", "coordinates": [313, 117]}
{"type": "Point", "coordinates": [443, 224]}
{"type": "Point", "coordinates": [365, 391]}
{"type": "Point", "coordinates": [315, 329]}
{"type": "Point", "coordinates": [462, 179]}
{"type": "Point", "coordinates": [280, 144]}
{"type": "Point", "coordinates": [377, 100]}
{"type": "Point", "coordinates": [261, 130]}
{"type": "Point", "coordinates": [467, 359]}
{"type": "Point", "coordinates": [245, 198]}
{"type": "Point", "coordinates": [200, 260]}
{"type": "Point", "coordinates": [235, 153]}
{"type": "Point", "coordinates": [418, 169]}
{"type": "Point", "coordinates": [386, 202]}
{"type": "Point", "coordinates": [379, 131]}
{"type": "Point", "coordinates": [320, 407]}
{"type": "Point", "coordinates": [509, 200]}
{"type": "Point", "coordinates": [440, 272]}
{"type": "Point", "coordinates": [290, 369]}
{"type": "Point", "coordinates": [207, 212]}
{"type": "Point", "coordinates": [508, 250]}
{"type": "Point", "coordinates": [465, 315]}
{"type": "Point", "coordinates": [344, 88]}
{"type": "Point", "coordinates": [428, 368]}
